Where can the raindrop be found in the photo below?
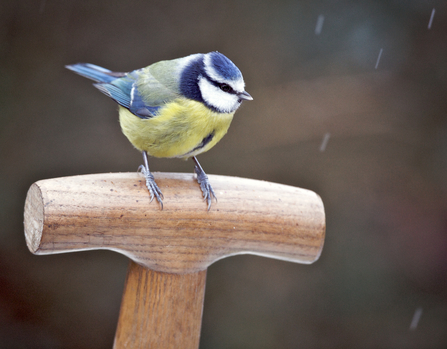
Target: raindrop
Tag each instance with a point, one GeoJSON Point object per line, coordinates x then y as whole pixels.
{"type": "Point", "coordinates": [415, 320]}
{"type": "Point", "coordinates": [378, 58]}
{"type": "Point", "coordinates": [319, 25]}
{"type": "Point", "coordinates": [431, 18]}
{"type": "Point", "coordinates": [324, 142]}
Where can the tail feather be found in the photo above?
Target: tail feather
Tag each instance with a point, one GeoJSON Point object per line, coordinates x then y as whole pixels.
{"type": "Point", "coordinates": [94, 72]}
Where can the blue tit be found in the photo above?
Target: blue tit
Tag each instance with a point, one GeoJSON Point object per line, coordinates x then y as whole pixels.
{"type": "Point", "coordinates": [177, 108]}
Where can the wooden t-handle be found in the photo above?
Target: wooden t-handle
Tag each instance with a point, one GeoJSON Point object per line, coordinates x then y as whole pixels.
{"type": "Point", "coordinates": [172, 247]}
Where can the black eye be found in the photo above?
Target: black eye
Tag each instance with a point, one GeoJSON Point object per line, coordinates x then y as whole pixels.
{"type": "Point", "coordinates": [225, 88]}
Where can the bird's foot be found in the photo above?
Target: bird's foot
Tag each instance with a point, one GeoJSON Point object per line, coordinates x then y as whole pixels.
{"type": "Point", "coordinates": [205, 186]}
{"type": "Point", "coordinates": [153, 188]}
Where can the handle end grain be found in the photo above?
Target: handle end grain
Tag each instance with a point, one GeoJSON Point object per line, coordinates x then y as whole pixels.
{"type": "Point", "coordinates": [33, 218]}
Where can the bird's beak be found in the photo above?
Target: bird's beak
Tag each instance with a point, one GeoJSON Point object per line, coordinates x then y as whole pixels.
{"type": "Point", "coordinates": [245, 96]}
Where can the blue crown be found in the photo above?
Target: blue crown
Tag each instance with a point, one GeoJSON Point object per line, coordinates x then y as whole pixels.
{"type": "Point", "coordinates": [224, 67]}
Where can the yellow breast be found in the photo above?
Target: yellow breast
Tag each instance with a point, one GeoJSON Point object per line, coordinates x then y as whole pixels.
{"type": "Point", "coordinates": [183, 128]}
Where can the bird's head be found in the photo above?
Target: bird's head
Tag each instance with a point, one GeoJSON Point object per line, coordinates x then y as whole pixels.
{"type": "Point", "coordinates": [214, 80]}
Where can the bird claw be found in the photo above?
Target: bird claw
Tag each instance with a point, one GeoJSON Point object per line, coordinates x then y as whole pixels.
{"type": "Point", "coordinates": [153, 188]}
{"type": "Point", "coordinates": [205, 186]}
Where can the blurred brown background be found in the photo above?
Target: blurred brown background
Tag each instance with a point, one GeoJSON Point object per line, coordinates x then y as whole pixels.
{"type": "Point", "coordinates": [382, 175]}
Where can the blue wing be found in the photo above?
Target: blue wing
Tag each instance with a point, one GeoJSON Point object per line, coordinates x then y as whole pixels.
{"type": "Point", "coordinates": [121, 87]}
{"type": "Point", "coordinates": [125, 92]}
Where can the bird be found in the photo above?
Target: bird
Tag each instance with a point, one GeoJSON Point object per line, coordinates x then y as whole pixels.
{"type": "Point", "coordinates": [175, 108]}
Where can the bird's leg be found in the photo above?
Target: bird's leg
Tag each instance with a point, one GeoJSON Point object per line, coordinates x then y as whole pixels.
{"type": "Point", "coordinates": [153, 188]}
{"type": "Point", "coordinates": [205, 186]}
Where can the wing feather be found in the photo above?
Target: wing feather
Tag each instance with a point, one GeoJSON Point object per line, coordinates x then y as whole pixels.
{"type": "Point", "coordinates": [145, 91]}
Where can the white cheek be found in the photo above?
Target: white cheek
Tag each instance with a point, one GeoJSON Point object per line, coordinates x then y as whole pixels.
{"type": "Point", "coordinates": [214, 96]}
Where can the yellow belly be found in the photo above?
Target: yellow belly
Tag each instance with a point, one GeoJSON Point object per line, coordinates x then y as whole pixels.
{"type": "Point", "coordinates": [183, 128]}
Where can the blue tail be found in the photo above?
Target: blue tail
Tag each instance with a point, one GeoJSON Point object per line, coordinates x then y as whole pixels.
{"type": "Point", "coordinates": [94, 72]}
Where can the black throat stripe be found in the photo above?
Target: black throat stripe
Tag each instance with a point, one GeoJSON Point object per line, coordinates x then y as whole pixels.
{"type": "Point", "coordinates": [204, 142]}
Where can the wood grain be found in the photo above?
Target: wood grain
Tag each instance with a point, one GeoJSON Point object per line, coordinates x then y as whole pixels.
{"type": "Point", "coordinates": [112, 211]}
{"type": "Point", "coordinates": [160, 310]}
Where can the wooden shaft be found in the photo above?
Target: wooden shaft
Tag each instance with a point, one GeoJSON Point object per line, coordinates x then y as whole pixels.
{"type": "Point", "coordinates": [160, 310]}
{"type": "Point", "coordinates": [112, 211]}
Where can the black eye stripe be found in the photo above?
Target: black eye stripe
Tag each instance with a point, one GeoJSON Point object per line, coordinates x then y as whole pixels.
{"type": "Point", "coordinates": [220, 84]}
